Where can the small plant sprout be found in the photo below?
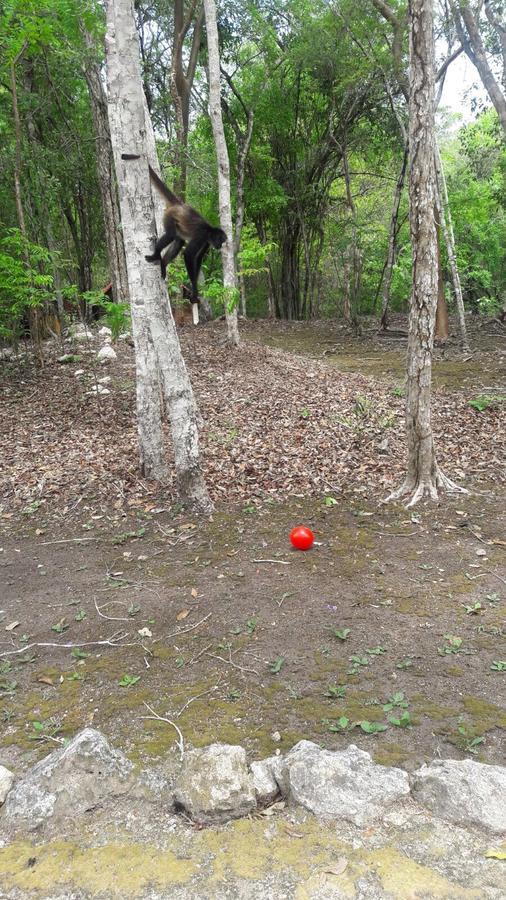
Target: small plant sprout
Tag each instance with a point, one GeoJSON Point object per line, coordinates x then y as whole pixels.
{"type": "Point", "coordinates": [60, 626]}
{"type": "Point", "coordinates": [341, 633]}
{"type": "Point", "coordinates": [453, 645]}
{"type": "Point", "coordinates": [341, 724]}
{"type": "Point", "coordinates": [372, 727]}
{"type": "Point", "coordinates": [474, 609]}
{"type": "Point", "coordinates": [330, 501]}
{"type": "Point", "coordinates": [401, 721]}
{"type": "Point", "coordinates": [376, 651]}
{"type": "Point", "coordinates": [398, 699]}
{"type": "Point", "coordinates": [499, 665]}
{"type": "Point", "coordinates": [335, 691]}
{"type": "Point", "coordinates": [277, 665]}
{"type": "Point", "coordinates": [357, 662]}
{"type": "Point", "coordinates": [251, 625]}
{"type": "Point", "coordinates": [234, 694]}
{"type": "Point", "coordinates": [468, 743]}
{"type": "Point", "coordinates": [129, 680]}
{"type": "Point", "coordinates": [404, 663]}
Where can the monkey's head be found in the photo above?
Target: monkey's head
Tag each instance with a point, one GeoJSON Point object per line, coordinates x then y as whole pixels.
{"type": "Point", "coordinates": [218, 238]}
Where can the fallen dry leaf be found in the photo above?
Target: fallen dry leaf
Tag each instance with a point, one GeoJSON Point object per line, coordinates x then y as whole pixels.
{"type": "Point", "coordinates": [12, 626]}
{"type": "Point", "coordinates": [195, 592]}
{"type": "Point", "coordinates": [182, 615]}
{"type": "Point", "coordinates": [45, 679]}
{"type": "Point", "coordinates": [339, 866]}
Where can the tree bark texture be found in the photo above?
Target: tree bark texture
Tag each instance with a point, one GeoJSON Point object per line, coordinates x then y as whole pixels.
{"type": "Point", "coordinates": [227, 251]}
{"type": "Point", "coordinates": [157, 350]}
{"type": "Point", "coordinates": [423, 474]}
{"type": "Point", "coordinates": [106, 176]}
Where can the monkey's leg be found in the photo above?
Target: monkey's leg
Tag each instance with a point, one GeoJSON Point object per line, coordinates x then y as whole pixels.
{"type": "Point", "coordinates": [171, 254]}
{"type": "Point", "coordinates": [193, 256]}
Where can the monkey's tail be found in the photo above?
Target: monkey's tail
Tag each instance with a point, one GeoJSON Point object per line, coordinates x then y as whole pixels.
{"type": "Point", "coordinates": [162, 187]}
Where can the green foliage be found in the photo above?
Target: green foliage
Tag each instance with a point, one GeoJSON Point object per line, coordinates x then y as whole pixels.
{"type": "Point", "coordinates": [485, 401]}
{"type": "Point", "coordinates": [117, 317]}
{"type": "Point", "coordinates": [24, 285]}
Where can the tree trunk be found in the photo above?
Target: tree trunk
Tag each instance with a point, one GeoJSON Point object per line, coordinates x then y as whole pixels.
{"type": "Point", "coordinates": [424, 476]}
{"type": "Point", "coordinates": [442, 325]}
{"type": "Point", "coordinates": [157, 351]}
{"type": "Point", "coordinates": [227, 251]}
{"type": "Point", "coordinates": [392, 239]}
{"type": "Point", "coordinates": [106, 177]}
{"type": "Point", "coordinates": [245, 144]}
{"type": "Point", "coordinates": [447, 225]}
{"type": "Point", "coordinates": [180, 83]}
{"type": "Point", "coordinates": [468, 31]}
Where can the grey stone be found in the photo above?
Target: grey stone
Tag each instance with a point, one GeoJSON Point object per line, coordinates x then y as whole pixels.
{"type": "Point", "coordinates": [104, 331]}
{"type": "Point", "coordinates": [6, 779]}
{"type": "Point", "coordinates": [214, 784]}
{"type": "Point", "coordinates": [106, 354]}
{"type": "Point", "coordinates": [464, 792]}
{"type": "Point", "coordinates": [71, 780]}
{"type": "Point", "coordinates": [265, 784]}
{"type": "Point", "coordinates": [343, 784]}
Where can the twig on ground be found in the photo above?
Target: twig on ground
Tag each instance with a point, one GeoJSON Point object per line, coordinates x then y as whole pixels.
{"type": "Point", "coordinates": [230, 662]}
{"type": "Point", "coordinates": [282, 562]}
{"type": "Point", "coordinates": [111, 618]}
{"type": "Point", "coordinates": [113, 641]}
{"type": "Point", "coordinates": [180, 741]}
{"type": "Point", "coordinates": [189, 628]}
{"type": "Point", "coordinates": [70, 540]}
{"type": "Point", "coordinates": [195, 658]}
{"type": "Point", "coordinates": [196, 697]}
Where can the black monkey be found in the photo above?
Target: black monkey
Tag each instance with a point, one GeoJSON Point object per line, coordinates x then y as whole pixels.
{"type": "Point", "coordinates": [183, 225]}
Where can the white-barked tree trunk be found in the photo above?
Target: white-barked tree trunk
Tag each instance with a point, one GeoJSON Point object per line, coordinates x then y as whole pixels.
{"type": "Point", "coordinates": [424, 477]}
{"type": "Point", "coordinates": [227, 251]}
{"type": "Point", "coordinates": [157, 351]}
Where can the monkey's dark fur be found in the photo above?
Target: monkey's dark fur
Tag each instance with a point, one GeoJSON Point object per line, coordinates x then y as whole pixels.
{"type": "Point", "coordinates": [184, 227]}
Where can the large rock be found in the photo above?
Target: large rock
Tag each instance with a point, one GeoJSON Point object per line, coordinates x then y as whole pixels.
{"type": "Point", "coordinates": [265, 774]}
{"type": "Point", "coordinates": [464, 792]}
{"type": "Point", "coordinates": [70, 781]}
{"type": "Point", "coordinates": [6, 779]}
{"type": "Point", "coordinates": [106, 354]}
{"type": "Point", "coordinates": [214, 784]}
{"type": "Point", "coordinates": [341, 785]}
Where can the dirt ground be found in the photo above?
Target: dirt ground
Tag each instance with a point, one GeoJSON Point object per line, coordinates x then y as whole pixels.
{"type": "Point", "coordinates": [116, 605]}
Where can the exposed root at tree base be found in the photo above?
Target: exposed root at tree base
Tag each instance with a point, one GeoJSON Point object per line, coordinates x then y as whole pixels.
{"type": "Point", "coordinates": [426, 486]}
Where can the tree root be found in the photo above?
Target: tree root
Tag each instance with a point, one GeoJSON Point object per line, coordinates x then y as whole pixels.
{"type": "Point", "coordinates": [426, 486]}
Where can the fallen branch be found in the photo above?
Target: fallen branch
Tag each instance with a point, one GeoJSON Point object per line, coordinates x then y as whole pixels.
{"type": "Point", "coordinates": [113, 641]}
{"type": "Point", "coordinates": [196, 697]}
{"type": "Point", "coordinates": [180, 742]}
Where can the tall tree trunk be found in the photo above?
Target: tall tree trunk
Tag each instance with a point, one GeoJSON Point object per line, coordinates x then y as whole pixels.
{"type": "Point", "coordinates": [354, 252]}
{"type": "Point", "coordinates": [468, 31]}
{"type": "Point", "coordinates": [106, 176]}
{"type": "Point", "coordinates": [392, 240]}
{"type": "Point", "coordinates": [424, 476]}
{"type": "Point", "coordinates": [180, 82]}
{"type": "Point", "coordinates": [447, 225]}
{"type": "Point", "coordinates": [157, 351]}
{"type": "Point", "coordinates": [227, 251]}
{"type": "Point", "coordinates": [441, 327]}
{"type": "Point", "coordinates": [244, 145]}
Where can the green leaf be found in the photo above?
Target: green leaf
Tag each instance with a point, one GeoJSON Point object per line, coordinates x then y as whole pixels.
{"type": "Point", "coordinates": [341, 633]}
{"type": "Point", "coordinates": [77, 653]}
{"type": "Point", "coordinates": [277, 665]}
{"type": "Point", "coordinates": [129, 680]}
{"type": "Point", "coordinates": [372, 727]}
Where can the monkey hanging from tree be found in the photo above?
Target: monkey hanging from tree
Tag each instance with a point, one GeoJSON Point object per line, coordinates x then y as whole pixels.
{"type": "Point", "coordinates": [184, 227]}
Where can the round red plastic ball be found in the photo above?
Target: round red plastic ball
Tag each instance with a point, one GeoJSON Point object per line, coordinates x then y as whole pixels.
{"type": "Point", "coordinates": [301, 537]}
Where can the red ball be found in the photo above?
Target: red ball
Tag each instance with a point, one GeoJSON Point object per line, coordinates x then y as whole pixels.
{"type": "Point", "coordinates": [301, 537]}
